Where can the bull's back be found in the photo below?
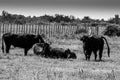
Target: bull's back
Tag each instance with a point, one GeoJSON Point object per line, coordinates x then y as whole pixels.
{"type": "Point", "coordinates": [57, 51]}
{"type": "Point", "coordinates": [94, 43]}
{"type": "Point", "coordinates": [19, 40]}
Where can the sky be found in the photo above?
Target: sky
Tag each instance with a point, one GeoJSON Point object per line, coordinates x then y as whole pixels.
{"type": "Point", "coordinates": [95, 9]}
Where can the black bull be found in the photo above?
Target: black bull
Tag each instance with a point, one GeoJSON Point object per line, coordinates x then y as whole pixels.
{"type": "Point", "coordinates": [53, 52]}
{"type": "Point", "coordinates": [25, 41]}
{"type": "Point", "coordinates": [94, 44]}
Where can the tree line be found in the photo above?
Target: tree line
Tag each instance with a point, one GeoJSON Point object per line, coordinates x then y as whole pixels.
{"type": "Point", "coordinates": [6, 17]}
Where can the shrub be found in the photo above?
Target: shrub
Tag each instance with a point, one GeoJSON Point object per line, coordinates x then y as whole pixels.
{"type": "Point", "coordinates": [112, 30]}
{"type": "Point", "coordinates": [118, 33]}
{"type": "Point", "coordinates": [79, 31]}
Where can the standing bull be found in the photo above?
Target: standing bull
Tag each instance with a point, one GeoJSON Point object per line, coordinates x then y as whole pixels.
{"type": "Point", "coordinates": [94, 44]}
{"type": "Point", "coordinates": [25, 41]}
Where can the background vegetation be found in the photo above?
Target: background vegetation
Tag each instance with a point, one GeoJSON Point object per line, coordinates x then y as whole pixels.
{"type": "Point", "coordinates": [112, 30]}
{"type": "Point", "coordinates": [7, 17]}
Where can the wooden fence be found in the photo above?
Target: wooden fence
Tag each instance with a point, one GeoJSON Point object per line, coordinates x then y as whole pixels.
{"type": "Point", "coordinates": [50, 30]}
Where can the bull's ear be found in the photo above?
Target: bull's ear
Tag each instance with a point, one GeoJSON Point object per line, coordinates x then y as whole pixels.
{"type": "Point", "coordinates": [47, 46]}
{"type": "Point", "coordinates": [50, 42]}
{"type": "Point", "coordinates": [68, 50]}
{"type": "Point", "coordinates": [43, 35]}
{"type": "Point", "coordinates": [82, 38]}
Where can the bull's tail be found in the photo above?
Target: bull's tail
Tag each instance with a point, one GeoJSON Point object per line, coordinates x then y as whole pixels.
{"type": "Point", "coordinates": [107, 46]}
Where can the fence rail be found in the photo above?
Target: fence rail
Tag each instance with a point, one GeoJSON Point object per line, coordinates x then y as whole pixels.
{"type": "Point", "coordinates": [48, 30]}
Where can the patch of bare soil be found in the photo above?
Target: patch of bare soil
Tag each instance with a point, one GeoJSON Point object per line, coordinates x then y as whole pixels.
{"type": "Point", "coordinates": [16, 66]}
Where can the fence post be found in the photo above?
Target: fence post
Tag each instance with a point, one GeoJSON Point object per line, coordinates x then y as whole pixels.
{"type": "Point", "coordinates": [5, 28]}
{"type": "Point", "coordinates": [0, 30]}
{"type": "Point", "coordinates": [16, 29]}
{"type": "Point", "coordinates": [26, 29]}
{"type": "Point", "coordinates": [22, 29]}
{"type": "Point", "coordinates": [46, 30]}
{"type": "Point", "coordinates": [97, 30]}
{"type": "Point", "coordinates": [49, 31]}
{"type": "Point", "coordinates": [32, 28]}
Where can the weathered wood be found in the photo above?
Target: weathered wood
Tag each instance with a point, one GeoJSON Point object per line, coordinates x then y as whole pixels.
{"type": "Point", "coordinates": [48, 30]}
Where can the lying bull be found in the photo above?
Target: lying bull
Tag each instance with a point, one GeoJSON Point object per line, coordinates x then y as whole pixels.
{"type": "Point", "coordinates": [38, 49]}
{"type": "Point", "coordinates": [61, 53]}
{"type": "Point", "coordinates": [94, 44]}
{"type": "Point", "coordinates": [50, 52]}
{"type": "Point", "coordinates": [25, 41]}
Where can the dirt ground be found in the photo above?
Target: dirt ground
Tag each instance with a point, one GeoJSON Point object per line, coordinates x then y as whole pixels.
{"type": "Point", "coordinates": [16, 66]}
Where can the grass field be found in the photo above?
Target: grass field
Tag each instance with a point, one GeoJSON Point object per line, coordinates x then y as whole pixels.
{"type": "Point", "coordinates": [16, 66]}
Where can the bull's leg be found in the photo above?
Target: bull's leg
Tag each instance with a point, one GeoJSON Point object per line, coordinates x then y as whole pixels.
{"type": "Point", "coordinates": [95, 53]}
{"type": "Point", "coordinates": [7, 48]}
{"type": "Point", "coordinates": [25, 52]}
{"type": "Point", "coordinates": [2, 48]}
{"type": "Point", "coordinates": [84, 50]}
{"type": "Point", "coordinates": [85, 53]}
{"type": "Point", "coordinates": [88, 55]}
{"type": "Point", "coordinates": [100, 54]}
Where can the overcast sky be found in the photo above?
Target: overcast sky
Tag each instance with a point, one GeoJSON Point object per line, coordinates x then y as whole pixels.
{"type": "Point", "coordinates": [96, 9]}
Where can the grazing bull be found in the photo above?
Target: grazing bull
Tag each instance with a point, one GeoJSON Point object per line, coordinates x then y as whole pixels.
{"type": "Point", "coordinates": [54, 52]}
{"type": "Point", "coordinates": [94, 44]}
{"type": "Point", "coordinates": [25, 41]}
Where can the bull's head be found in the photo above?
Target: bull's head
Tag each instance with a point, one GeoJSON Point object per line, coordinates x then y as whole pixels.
{"type": "Point", "coordinates": [84, 38]}
{"type": "Point", "coordinates": [40, 38]}
{"type": "Point", "coordinates": [70, 54]}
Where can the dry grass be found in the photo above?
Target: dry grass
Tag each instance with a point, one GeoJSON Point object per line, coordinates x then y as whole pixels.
{"type": "Point", "coordinates": [16, 66]}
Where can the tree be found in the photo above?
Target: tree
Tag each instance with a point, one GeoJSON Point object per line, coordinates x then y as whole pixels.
{"type": "Point", "coordinates": [117, 19]}
{"type": "Point", "coordinates": [86, 19]}
{"type": "Point", "coordinates": [111, 20]}
{"type": "Point", "coordinates": [5, 15]}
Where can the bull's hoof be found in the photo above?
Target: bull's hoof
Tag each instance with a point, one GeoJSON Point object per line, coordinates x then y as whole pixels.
{"type": "Point", "coordinates": [25, 55]}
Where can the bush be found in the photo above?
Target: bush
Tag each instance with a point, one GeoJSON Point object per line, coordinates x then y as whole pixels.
{"type": "Point", "coordinates": [112, 30]}
{"type": "Point", "coordinates": [118, 33]}
{"type": "Point", "coordinates": [79, 31]}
